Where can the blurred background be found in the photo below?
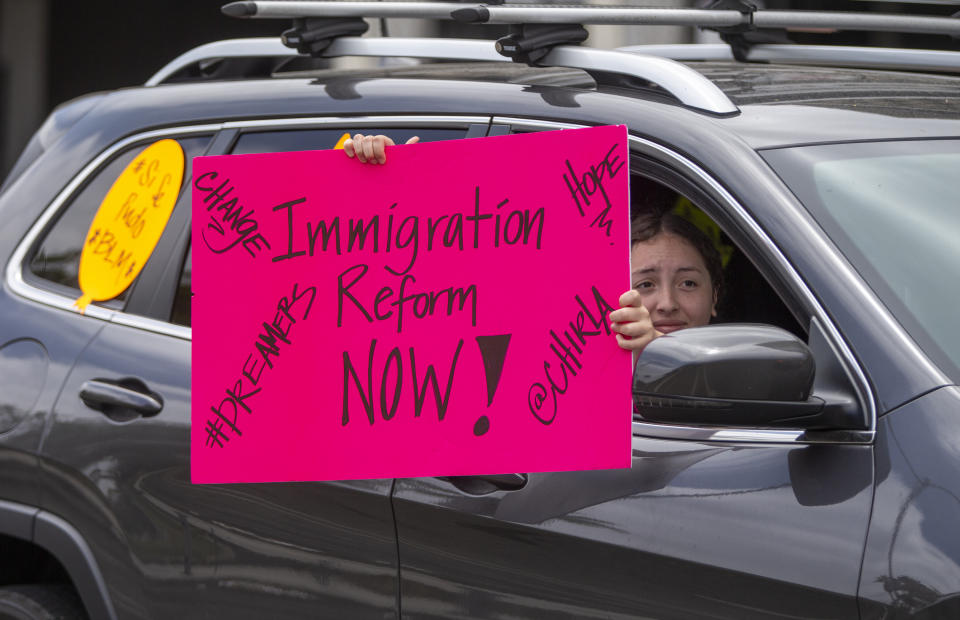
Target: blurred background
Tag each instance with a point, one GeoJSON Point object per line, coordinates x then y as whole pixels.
{"type": "Point", "coordinates": [54, 50]}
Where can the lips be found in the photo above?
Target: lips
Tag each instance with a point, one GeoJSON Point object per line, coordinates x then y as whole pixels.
{"type": "Point", "coordinates": [665, 327]}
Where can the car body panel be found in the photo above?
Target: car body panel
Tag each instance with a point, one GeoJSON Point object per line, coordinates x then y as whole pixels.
{"type": "Point", "coordinates": [26, 321]}
{"type": "Point", "coordinates": [912, 557]}
{"type": "Point", "coordinates": [249, 550]}
{"type": "Point", "coordinates": [692, 530]}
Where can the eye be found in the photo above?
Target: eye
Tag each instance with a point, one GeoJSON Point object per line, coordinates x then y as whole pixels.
{"type": "Point", "coordinates": [646, 285]}
{"type": "Point", "coordinates": [689, 284]}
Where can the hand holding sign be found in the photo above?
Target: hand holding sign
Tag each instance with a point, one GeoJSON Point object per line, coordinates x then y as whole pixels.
{"type": "Point", "coordinates": [391, 336]}
{"type": "Point", "coordinates": [371, 149]}
{"type": "Point", "coordinates": [632, 323]}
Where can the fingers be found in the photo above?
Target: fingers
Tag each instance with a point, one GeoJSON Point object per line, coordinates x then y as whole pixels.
{"type": "Point", "coordinates": [632, 323]}
{"type": "Point", "coordinates": [637, 342]}
{"type": "Point", "coordinates": [353, 147]}
{"type": "Point", "coordinates": [378, 149]}
{"type": "Point", "coordinates": [631, 298]}
{"type": "Point", "coordinates": [348, 147]}
{"type": "Point", "coordinates": [370, 149]}
{"type": "Point", "coordinates": [634, 344]}
{"type": "Point", "coordinates": [380, 144]}
{"type": "Point", "coordinates": [367, 148]}
{"type": "Point", "coordinates": [631, 310]}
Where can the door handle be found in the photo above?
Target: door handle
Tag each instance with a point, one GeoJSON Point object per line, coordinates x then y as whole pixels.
{"type": "Point", "coordinates": [121, 400]}
{"type": "Point", "coordinates": [488, 483]}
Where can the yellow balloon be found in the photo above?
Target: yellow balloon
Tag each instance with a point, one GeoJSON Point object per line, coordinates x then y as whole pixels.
{"type": "Point", "coordinates": [129, 222]}
{"type": "Point", "coordinates": [343, 138]}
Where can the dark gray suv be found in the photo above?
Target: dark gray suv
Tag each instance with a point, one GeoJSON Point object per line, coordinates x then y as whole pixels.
{"type": "Point", "coordinates": [832, 189]}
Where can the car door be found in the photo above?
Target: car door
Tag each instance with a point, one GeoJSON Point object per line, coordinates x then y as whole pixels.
{"type": "Point", "coordinates": [116, 456]}
{"type": "Point", "coordinates": [708, 522]}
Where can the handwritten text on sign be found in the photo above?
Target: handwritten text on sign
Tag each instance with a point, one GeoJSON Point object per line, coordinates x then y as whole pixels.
{"type": "Point", "coordinates": [443, 314]}
{"type": "Point", "coordinates": [129, 222]}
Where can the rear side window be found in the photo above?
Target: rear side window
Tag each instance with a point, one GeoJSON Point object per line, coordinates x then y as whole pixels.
{"type": "Point", "coordinates": [180, 314]}
{"type": "Point", "coordinates": [320, 139]}
{"type": "Point", "coordinates": [55, 264]}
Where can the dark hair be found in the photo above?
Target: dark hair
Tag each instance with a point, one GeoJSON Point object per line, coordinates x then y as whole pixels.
{"type": "Point", "coordinates": [646, 227]}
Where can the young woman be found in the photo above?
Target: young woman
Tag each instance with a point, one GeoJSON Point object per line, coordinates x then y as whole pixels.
{"type": "Point", "coordinates": [675, 272]}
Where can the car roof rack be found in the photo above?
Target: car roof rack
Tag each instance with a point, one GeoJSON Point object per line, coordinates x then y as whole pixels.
{"type": "Point", "coordinates": [686, 85]}
{"type": "Point", "coordinates": [500, 13]}
{"type": "Point", "coordinates": [548, 36]}
{"type": "Point", "coordinates": [836, 55]}
{"type": "Point", "coordinates": [270, 47]}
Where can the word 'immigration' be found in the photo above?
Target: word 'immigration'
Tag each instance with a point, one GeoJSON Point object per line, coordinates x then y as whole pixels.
{"type": "Point", "coordinates": [412, 234]}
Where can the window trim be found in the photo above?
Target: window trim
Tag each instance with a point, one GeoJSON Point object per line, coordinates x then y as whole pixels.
{"type": "Point", "coordinates": [359, 121]}
{"type": "Point", "coordinates": [741, 217]}
{"type": "Point", "coordinates": [14, 272]}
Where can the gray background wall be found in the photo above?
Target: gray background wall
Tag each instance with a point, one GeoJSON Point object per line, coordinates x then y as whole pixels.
{"type": "Point", "coordinates": [54, 50]}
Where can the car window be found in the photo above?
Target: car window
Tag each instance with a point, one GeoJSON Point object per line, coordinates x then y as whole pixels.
{"type": "Point", "coordinates": [892, 210]}
{"type": "Point", "coordinates": [55, 264]}
{"type": "Point", "coordinates": [316, 139]}
{"type": "Point", "coordinates": [180, 314]}
{"type": "Point", "coordinates": [744, 294]}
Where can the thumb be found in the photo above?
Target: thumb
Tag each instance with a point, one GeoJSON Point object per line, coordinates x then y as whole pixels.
{"type": "Point", "coordinates": [413, 140]}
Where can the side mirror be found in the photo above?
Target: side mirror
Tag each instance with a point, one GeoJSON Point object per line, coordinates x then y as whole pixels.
{"type": "Point", "coordinates": [732, 375]}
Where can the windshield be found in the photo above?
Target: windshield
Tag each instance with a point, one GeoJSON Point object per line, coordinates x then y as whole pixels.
{"type": "Point", "coordinates": [893, 208]}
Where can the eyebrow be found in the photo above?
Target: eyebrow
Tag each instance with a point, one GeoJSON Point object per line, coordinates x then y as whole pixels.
{"type": "Point", "coordinates": [646, 270]}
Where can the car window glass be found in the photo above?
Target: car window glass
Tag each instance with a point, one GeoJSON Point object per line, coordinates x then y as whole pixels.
{"type": "Point", "coordinates": [891, 208]}
{"type": "Point", "coordinates": [56, 262]}
{"type": "Point", "coordinates": [180, 315]}
{"type": "Point", "coordinates": [319, 139]}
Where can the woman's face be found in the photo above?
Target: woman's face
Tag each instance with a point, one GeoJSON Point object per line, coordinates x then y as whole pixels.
{"type": "Point", "coordinates": [673, 282]}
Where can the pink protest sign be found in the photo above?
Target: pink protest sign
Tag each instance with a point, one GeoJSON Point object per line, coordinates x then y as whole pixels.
{"type": "Point", "coordinates": [443, 314]}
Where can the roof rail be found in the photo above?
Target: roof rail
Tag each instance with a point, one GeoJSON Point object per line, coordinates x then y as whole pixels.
{"type": "Point", "coordinates": [533, 14]}
{"type": "Point", "coordinates": [291, 9]}
{"type": "Point", "coordinates": [230, 48]}
{"type": "Point", "coordinates": [689, 87]}
{"type": "Point", "coordinates": [266, 47]}
{"type": "Point", "coordinates": [846, 56]}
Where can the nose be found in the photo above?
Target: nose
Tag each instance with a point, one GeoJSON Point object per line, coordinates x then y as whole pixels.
{"type": "Point", "coordinates": [666, 301]}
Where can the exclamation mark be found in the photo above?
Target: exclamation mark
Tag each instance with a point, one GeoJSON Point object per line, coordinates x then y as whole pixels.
{"type": "Point", "coordinates": [493, 351]}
